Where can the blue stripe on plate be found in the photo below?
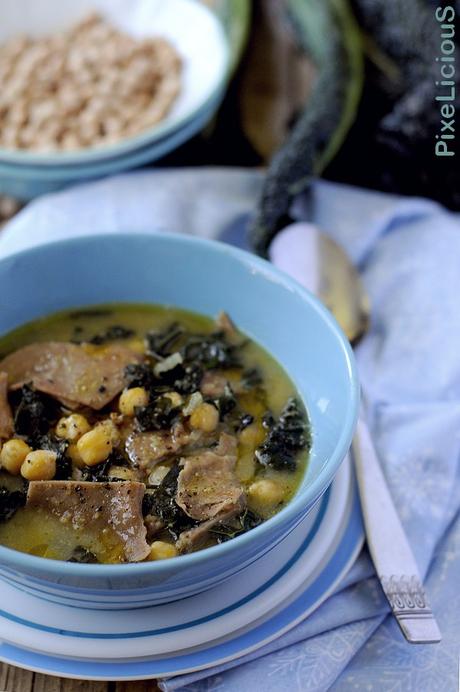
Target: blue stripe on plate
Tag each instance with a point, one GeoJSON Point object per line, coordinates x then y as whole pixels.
{"type": "Point", "coordinates": [191, 623]}
{"type": "Point", "coordinates": [333, 572]}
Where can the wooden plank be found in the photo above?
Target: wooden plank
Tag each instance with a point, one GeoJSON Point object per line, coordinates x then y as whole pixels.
{"type": "Point", "coordinates": [46, 683]}
{"type": "Point", "coordinates": [15, 679]}
{"type": "Point", "coordinates": [138, 686]}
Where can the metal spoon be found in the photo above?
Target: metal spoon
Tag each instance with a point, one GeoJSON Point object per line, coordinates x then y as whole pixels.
{"type": "Point", "coordinates": [322, 266]}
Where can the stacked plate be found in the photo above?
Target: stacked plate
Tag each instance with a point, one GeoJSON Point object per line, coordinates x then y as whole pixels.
{"type": "Point", "coordinates": [209, 43]}
{"type": "Point", "coordinates": [222, 624]}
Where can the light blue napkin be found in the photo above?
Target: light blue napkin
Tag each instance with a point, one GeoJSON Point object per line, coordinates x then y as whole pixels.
{"type": "Point", "coordinates": [408, 251]}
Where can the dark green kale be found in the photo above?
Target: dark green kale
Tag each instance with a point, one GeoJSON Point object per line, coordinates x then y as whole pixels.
{"type": "Point", "coordinates": [63, 463]}
{"type": "Point", "coordinates": [99, 473]}
{"type": "Point", "coordinates": [10, 502]}
{"type": "Point", "coordinates": [80, 554]}
{"type": "Point", "coordinates": [188, 379]}
{"type": "Point", "coordinates": [112, 333]}
{"type": "Point", "coordinates": [160, 343]}
{"type": "Point", "coordinates": [159, 414]}
{"type": "Point", "coordinates": [284, 439]}
{"type": "Point", "coordinates": [183, 379]}
{"type": "Point", "coordinates": [139, 375]}
{"type": "Point", "coordinates": [34, 413]}
{"type": "Point", "coordinates": [244, 420]}
{"type": "Point", "coordinates": [90, 312]}
{"type": "Point", "coordinates": [226, 403]}
{"type": "Point", "coordinates": [162, 503]}
{"type": "Point", "coordinates": [244, 522]}
{"type": "Point", "coordinates": [211, 352]}
{"type": "Point", "coordinates": [251, 378]}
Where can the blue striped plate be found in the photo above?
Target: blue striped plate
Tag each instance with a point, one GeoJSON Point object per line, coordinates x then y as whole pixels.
{"type": "Point", "coordinates": [221, 624]}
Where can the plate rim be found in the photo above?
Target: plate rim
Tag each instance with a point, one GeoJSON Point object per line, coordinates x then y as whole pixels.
{"type": "Point", "coordinates": [346, 553]}
{"type": "Point", "coordinates": [87, 157]}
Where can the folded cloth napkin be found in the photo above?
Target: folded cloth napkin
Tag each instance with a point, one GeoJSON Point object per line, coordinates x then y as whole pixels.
{"type": "Point", "coordinates": [408, 251]}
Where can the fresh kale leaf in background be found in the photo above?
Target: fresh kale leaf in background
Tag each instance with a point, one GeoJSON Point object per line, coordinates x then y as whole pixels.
{"type": "Point", "coordinates": [382, 136]}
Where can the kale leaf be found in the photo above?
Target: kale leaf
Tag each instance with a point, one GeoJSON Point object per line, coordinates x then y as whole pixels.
{"type": "Point", "coordinates": [80, 554]}
{"type": "Point", "coordinates": [159, 414]}
{"type": "Point", "coordinates": [285, 438]}
{"type": "Point", "coordinates": [251, 378]}
{"type": "Point", "coordinates": [211, 352]}
{"type": "Point", "coordinates": [226, 403]}
{"type": "Point", "coordinates": [10, 502]}
{"type": "Point", "coordinates": [63, 463]}
{"type": "Point", "coordinates": [116, 331]}
{"type": "Point", "coordinates": [190, 380]}
{"type": "Point", "coordinates": [244, 522]}
{"type": "Point", "coordinates": [96, 473]}
{"type": "Point", "coordinates": [244, 420]}
{"type": "Point", "coordinates": [99, 472]}
{"type": "Point", "coordinates": [139, 375]}
{"type": "Point", "coordinates": [90, 312]}
{"type": "Point", "coordinates": [162, 503]}
{"type": "Point", "coordinates": [160, 343]}
{"type": "Point", "coordinates": [34, 413]}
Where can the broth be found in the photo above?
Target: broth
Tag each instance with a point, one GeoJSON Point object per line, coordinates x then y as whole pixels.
{"type": "Point", "coordinates": [205, 434]}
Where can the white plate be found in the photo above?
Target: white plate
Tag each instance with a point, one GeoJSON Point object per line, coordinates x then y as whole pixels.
{"type": "Point", "coordinates": [204, 630]}
{"type": "Point", "coordinates": [194, 30]}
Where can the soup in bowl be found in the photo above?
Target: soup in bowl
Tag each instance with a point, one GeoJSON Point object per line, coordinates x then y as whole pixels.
{"type": "Point", "coordinates": [170, 432]}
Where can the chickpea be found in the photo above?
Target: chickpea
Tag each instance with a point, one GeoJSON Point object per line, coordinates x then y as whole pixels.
{"type": "Point", "coordinates": [72, 427]}
{"type": "Point", "coordinates": [160, 550]}
{"type": "Point", "coordinates": [253, 435]}
{"type": "Point", "coordinates": [175, 398]}
{"type": "Point", "coordinates": [95, 446]}
{"type": "Point", "coordinates": [73, 453]}
{"type": "Point", "coordinates": [205, 417]}
{"type": "Point", "coordinates": [39, 465]}
{"type": "Point", "coordinates": [266, 492]}
{"type": "Point", "coordinates": [112, 430]}
{"type": "Point", "coordinates": [12, 456]}
{"type": "Point", "coordinates": [131, 398]}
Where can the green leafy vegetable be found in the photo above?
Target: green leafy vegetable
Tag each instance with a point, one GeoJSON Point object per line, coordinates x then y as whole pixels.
{"type": "Point", "coordinates": [327, 31]}
{"type": "Point", "coordinates": [80, 554]}
{"type": "Point", "coordinates": [162, 503]}
{"type": "Point", "coordinates": [226, 403]}
{"type": "Point", "coordinates": [63, 463]}
{"type": "Point", "coordinates": [10, 502]}
{"type": "Point", "coordinates": [285, 438]}
{"type": "Point", "coordinates": [34, 413]}
{"type": "Point", "coordinates": [160, 343]}
{"type": "Point", "coordinates": [99, 473]}
{"type": "Point", "coordinates": [251, 378]}
{"type": "Point", "coordinates": [112, 333]}
{"type": "Point", "coordinates": [244, 522]}
{"type": "Point", "coordinates": [139, 375]}
{"type": "Point", "coordinates": [211, 352]}
{"type": "Point", "coordinates": [159, 414]}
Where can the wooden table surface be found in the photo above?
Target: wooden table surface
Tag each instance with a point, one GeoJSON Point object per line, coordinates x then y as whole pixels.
{"type": "Point", "coordinates": [18, 680]}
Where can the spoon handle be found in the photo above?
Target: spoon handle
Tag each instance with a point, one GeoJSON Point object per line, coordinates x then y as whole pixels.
{"type": "Point", "coordinates": [389, 548]}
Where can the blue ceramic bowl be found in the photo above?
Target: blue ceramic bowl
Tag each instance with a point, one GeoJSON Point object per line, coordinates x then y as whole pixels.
{"type": "Point", "coordinates": [206, 277]}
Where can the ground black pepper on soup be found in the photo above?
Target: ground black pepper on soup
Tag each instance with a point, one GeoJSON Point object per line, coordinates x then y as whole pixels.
{"type": "Point", "coordinates": [135, 432]}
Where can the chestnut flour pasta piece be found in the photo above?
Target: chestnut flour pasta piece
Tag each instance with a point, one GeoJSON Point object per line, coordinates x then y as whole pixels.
{"type": "Point", "coordinates": [6, 417]}
{"type": "Point", "coordinates": [207, 485]}
{"type": "Point", "coordinates": [73, 373]}
{"type": "Point", "coordinates": [97, 507]}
